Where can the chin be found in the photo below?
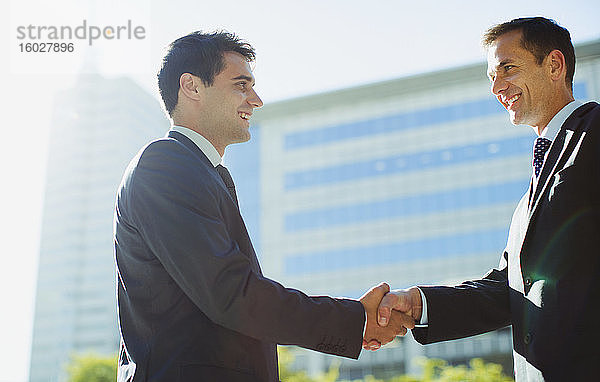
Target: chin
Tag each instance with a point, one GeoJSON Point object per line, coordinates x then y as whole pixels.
{"type": "Point", "coordinates": [244, 138]}
{"type": "Point", "coordinates": [516, 119]}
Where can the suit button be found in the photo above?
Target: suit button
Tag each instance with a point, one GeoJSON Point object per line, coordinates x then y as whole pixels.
{"type": "Point", "coordinates": [527, 339]}
{"type": "Point", "coordinates": [528, 281]}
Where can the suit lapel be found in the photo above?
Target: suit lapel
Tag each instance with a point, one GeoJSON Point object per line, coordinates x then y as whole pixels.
{"type": "Point", "coordinates": [561, 146]}
{"type": "Point", "coordinates": [556, 153]}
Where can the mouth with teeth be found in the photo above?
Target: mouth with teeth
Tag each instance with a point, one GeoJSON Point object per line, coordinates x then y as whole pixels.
{"type": "Point", "coordinates": [244, 116]}
{"type": "Point", "coordinates": [508, 103]}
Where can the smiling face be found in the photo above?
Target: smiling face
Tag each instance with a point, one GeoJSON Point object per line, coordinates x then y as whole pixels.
{"type": "Point", "coordinates": [227, 105]}
{"type": "Point", "coordinates": [523, 87]}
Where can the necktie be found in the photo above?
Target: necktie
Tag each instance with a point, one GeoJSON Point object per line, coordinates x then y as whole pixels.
{"type": "Point", "coordinates": [226, 176]}
{"type": "Point", "coordinates": [539, 151]}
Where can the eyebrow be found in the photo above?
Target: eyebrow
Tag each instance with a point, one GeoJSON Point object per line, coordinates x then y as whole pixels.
{"type": "Point", "coordinates": [505, 62]}
{"type": "Point", "coordinates": [242, 77]}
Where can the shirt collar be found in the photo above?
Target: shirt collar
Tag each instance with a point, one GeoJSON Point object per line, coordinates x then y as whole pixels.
{"type": "Point", "coordinates": [203, 144]}
{"type": "Point", "coordinates": [559, 118]}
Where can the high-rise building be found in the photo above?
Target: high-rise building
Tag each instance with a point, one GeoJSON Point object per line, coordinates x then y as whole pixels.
{"type": "Point", "coordinates": [97, 128]}
{"type": "Point", "coordinates": [409, 181]}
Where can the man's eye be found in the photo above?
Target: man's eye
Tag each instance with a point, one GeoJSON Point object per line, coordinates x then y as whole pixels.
{"type": "Point", "coordinates": [241, 85]}
{"type": "Point", "coordinates": [508, 67]}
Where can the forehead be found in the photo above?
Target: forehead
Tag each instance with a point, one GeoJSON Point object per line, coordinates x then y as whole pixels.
{"type": "Point", "coordinates": [507, 48]}
{"type": "Point", "coordinates": [236, 65]}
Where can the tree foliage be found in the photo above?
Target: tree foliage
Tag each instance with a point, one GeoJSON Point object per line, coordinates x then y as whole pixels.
{"type": "Point", "coordinates": [286, 374]}
{"type": "Point", "coordinates": [437, 370]}
{"type": "Point", "coordinates": [96, 368]}
{"type": "Point", "coordinates": [92, 368]}
{"type": "Point", "coordinates": [433, 370]}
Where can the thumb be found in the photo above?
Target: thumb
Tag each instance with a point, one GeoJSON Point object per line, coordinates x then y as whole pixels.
{"type": "Point", "coordinates": [384, 311]}
{"type": "Point", "coordinates": [376, 293]}
{"type": "Point", "coordinates": [383, 288]}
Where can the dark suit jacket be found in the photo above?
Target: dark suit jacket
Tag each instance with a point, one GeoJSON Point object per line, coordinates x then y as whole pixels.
{"type": "Point", "coordinates": [193, 303]}
{"type": "Point", "coordinates": [548, 283]}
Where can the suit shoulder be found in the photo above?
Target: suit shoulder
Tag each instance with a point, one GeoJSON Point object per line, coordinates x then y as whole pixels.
{"type": "Point", "coordinates": [589, 117]}
{"type": "Point", "coordinates": [163, 146]}
{"type": "Point", "coordinates": [169, 162]}
{"type": "Point", "coordinates": [588, 110]}
{"type": "Point", "coordinates": [168, 153]}
{"type": "Point", "coordinates": [167, 169]}
{"type": "Point", "coordinates": [586, 118]}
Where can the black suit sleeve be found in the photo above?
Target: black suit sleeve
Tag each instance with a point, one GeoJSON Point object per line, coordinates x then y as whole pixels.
{"type": "Point", "coordinates": [180, 217]}
{"type": "Point", "coordinates": [471, 308]}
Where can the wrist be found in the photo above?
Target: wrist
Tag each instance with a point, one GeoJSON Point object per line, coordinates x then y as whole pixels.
{"type": "Point", "coordinates": [417, 303]}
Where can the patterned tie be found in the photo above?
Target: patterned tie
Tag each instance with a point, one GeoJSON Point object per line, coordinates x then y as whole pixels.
{"type": "Point", "coordinates": [226, 176]}
{"type": "Point", "coordinates": [539, 151]}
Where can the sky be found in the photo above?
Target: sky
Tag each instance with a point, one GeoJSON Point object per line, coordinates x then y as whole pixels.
{"type": "Point", "coordinates": [303, 47]}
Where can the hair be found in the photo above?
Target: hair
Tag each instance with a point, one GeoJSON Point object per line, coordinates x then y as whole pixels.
{"type": "Point", "coordinates": [540, 36]}
{"type": "Point", "coordinates": [200, 54]}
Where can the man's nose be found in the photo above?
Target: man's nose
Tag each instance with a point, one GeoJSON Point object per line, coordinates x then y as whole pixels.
{"type": "Point", "coordinates": [498, 85]}
{"type": "Point", "coordinates": [255, 100]}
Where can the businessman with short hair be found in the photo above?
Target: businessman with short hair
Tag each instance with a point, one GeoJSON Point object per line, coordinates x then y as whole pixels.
{"type": "Point", "coordinates": [193, 303]}
{"type": "Point", "coordinates": [547, 286]}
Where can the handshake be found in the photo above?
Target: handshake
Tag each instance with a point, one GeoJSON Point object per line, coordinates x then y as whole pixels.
{"type": "Point", "coordinates": [389, 314]}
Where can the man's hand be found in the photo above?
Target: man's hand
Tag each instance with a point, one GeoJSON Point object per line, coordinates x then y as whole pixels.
{"type": "Point", "coordinates": [404, 300]}
{"type": "Point", "coordinates": [375, 336]}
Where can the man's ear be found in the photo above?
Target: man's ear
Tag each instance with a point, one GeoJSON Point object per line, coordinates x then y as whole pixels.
{"type": "Point", "coordinates": [556, 64]}
{"type": "Point", "coordinates": [189, 86]}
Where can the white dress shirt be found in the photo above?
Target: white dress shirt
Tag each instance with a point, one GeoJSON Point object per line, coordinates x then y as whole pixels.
{"type": "Point", "coordinates": [203, 144]}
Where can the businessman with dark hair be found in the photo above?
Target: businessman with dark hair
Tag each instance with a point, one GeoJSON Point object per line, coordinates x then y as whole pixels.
{"type": "Point", "coordinates": [547, 286]}
{"type": "Point", "coordinates": [193, 303]}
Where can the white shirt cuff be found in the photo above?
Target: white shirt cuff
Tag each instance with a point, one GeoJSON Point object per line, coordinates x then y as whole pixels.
{"type": "Point", "coordinates": [424, 320]}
